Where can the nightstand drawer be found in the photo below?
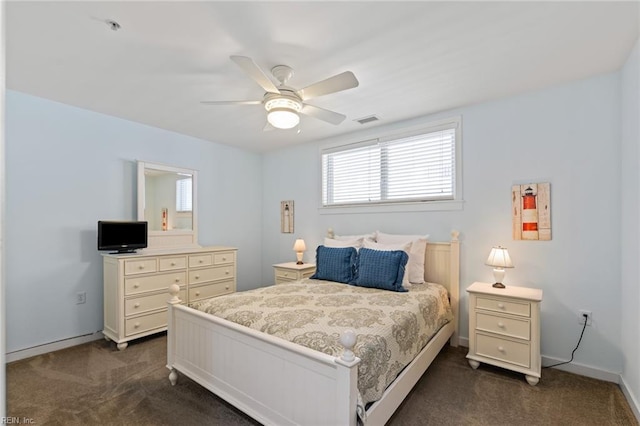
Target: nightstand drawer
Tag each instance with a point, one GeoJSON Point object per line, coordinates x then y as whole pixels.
{"type": "Point", "coordinates": [517, 353]}
{"type": "Point", "coordinates": [500, 305]}
{"type": "Point", "coordinates": [519, 328]}
{"type": "Point", "coordinates": [286, 275]}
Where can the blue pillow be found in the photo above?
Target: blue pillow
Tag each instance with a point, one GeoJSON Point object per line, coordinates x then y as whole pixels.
{"type": "Point", "coordinates": [381, 269]}
{"type": "Point", "coordinates": [335, 264]}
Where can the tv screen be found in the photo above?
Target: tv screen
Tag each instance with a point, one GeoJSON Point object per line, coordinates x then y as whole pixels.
{"type": "Point", "coordinates": [123, 237]}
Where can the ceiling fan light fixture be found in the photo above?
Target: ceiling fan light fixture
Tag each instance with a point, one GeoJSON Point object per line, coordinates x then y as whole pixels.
{"type": "Point", "coordinates": [282, 112]}
{"type": "Point", "coordinates": [283, 118]}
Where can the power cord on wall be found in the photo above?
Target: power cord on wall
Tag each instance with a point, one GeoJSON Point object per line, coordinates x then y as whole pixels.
{"type": "Point", "coordinates": [586, 319]}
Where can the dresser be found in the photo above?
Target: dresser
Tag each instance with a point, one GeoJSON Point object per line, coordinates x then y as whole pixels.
{"type": "Point", "coordinates": [504, 328]}
{"type": "Point", "coordinates": [136, 286]}
{"type": "Point", "coordinates": [291, 271]}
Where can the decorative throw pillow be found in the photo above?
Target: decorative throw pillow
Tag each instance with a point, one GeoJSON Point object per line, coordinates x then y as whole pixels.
{"type": "Point", "coordinates": [335, 264]}
{"type": "Point", "coordinates": [406, 247]}
{"type": "Point", "coordinates": [415, 267]}
{"type": "Point", "coordinates": [380, 269]}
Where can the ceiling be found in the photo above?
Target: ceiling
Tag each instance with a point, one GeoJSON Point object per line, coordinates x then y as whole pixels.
{"type": "Point", "coordinates": [411, 58]}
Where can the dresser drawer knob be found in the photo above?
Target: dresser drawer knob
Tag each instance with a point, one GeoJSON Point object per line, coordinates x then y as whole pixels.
{"type": "Point", "coordinates": [197, 277]}
{"type": "Point", "coordinates": [173, 263]}
{"type": "Point", "coordinates": [200, 261]}
{"type": "Point", "coordinates": [137, 305]}
{"type": "Point", "coordinates": [501, 348]}
{"type": "Point", "coordinates": [224, 258]}
{"type": "Point", "coordinates": [136, 285]}
{"type": "Point", "coordinates": [226, 288]}
{"type": "Point", "coordinates": [501, 305]}
{"type": "Point", "coordinates": [226, 272]}
{"type": "Point", "coordinates": [177, 280]}
{"type": "Point", "coordinates": [141, 266]}
{"type": "Point", "coordinates": [136, 325]}
{"type": "Point", "coordinates": [501, 324]}
{"type": "Point", "coordinates": [197, 293]}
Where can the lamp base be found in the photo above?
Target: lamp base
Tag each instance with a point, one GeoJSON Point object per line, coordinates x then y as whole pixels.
{"type": "Point", "coordinates": [498, 285]}
{"type": "Point", "coordinates": [299, 262]}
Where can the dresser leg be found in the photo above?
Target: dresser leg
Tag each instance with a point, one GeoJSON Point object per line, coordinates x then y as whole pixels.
{"type": "Point", "coordinates": [532, 380]}
{"type": "Point", "coordinates": [473, 363]}
{"type": "Point", "coordinates": [122, 346]}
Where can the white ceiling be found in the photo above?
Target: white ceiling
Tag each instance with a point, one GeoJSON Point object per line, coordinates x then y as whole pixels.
{"type": "Point", "coordinates": [411, 58]}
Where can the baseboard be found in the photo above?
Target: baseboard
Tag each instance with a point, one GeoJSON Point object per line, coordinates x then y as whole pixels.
{"type": "Point", "coordinates": [583, 370]}
{"type": "Point", "coordinates": [631, 399]}
{"type": "Point", "coordinates": [463, 341]}
{"type": "Point", "coordinates": [50, 347]}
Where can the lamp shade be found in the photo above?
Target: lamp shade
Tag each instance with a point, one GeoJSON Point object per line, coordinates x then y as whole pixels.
{"type": "Point", "coordinates": [499, 258]}
{"type": "Point", "coordinates": [299, 245]}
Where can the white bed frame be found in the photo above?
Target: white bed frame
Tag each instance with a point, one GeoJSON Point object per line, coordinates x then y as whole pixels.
{"type": "Point", "coordinates": [280, 383]}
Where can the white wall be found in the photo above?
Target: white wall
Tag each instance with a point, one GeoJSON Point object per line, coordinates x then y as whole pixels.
{"type": "Point", "coordinates": [630, 300]}
{"type": "Point", "coordinates": [67, 168]}
{"type": "Point", "coordinates": [568, 136]}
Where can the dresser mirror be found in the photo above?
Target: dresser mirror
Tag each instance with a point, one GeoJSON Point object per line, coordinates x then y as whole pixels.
{"type": "Point", "coordinates": [167, 200]}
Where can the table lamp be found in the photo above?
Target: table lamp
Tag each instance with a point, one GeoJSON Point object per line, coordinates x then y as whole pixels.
{"type": "Point", "coordinates": [299, 247]}
{"type": "Point", "coordinates": [499, 258]}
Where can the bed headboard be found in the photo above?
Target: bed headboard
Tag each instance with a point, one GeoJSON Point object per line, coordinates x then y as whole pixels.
{"type": "Point", "coordinates": [442, 266]}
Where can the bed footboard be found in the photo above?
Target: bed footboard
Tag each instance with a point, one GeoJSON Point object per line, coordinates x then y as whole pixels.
{"type": "Point", "coordinates": [270, 379]}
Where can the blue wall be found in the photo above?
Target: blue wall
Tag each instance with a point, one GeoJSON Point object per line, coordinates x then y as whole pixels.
{"type": "Point", "coordinates": [568, 136]}
{"type": "Point", "coordinates": [67, 168]}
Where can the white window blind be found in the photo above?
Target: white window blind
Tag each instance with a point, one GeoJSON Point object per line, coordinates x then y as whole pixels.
{"type": "Point", "coordinates": [420, 167]}
{"type": "Point", "coordinates": [184, 195]}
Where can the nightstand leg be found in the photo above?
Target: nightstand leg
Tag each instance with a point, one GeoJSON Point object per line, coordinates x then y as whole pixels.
{"type": "Point", "coordinates": [473, 363]}
{"type": "Point", "coordinates": [532, 380]}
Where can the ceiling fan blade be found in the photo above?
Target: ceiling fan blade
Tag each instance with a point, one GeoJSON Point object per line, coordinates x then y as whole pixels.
{"type": "Point", "coordinates": [255, 72]}
{"type": "Point", "coordinates": [231, 102]}
{"type": "Point", "coordinates": [323, 114]}
{"type": "Point", "coordinates": [337, 83]}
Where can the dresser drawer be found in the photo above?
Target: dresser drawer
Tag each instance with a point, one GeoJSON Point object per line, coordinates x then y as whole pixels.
{"type": "Point", "coordinates": [135, 285]}
{"type": "Point", "coordinates": [499, 305]}
{"type": "Point", "coordinates": [211, 290]}
{"type": "Point", "coordinates": [140, 266]}
{"type": "Point", "coordinates": [197, 260]}
{"type": "Point", "coordinates": [517, 353]}
{"type": "Point", "coordinates": [172, 263]}
{"type": "Point", "coordinates": [138, 305]}
{"type": "Point", "coordinates": [211, 274]}
{"type": "Point", "coordinates": [224, 257]}
{"type": "Point", "coordinates": [520, 328]}
{"type": "Point", "coordinates": [145, 323]}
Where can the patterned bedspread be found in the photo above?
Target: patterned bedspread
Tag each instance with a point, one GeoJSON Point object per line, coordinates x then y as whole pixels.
{"type": "Point", "coordinates": [391, 328]}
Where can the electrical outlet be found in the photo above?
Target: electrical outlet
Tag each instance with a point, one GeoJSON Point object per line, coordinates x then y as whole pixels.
{"type": "Point", "coordinates": [81, 297]}
{"type": "Point", "coordinates": [581, 318]}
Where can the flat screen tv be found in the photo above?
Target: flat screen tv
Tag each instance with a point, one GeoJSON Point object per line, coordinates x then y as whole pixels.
{"type": "Point", "coordinates": [122, 236]}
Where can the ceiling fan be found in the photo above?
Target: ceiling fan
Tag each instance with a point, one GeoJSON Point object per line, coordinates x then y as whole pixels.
{"type": "Point", "coordinates": [283, 103]}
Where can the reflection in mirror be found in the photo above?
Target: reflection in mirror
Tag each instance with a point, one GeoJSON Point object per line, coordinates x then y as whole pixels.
{"type": "Point", "coordinates": [167, 201]}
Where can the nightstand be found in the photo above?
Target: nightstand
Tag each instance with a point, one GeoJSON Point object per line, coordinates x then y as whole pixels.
{"type": "Point", "coordinates": [290, 271]}
{"type": "Point", "coordinates": [504, 328]}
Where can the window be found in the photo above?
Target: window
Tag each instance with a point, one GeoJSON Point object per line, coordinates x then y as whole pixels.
{"type": "Point", "coordinates": [413, 168]}
{"type": "Point", "coordinates": [184, 195]}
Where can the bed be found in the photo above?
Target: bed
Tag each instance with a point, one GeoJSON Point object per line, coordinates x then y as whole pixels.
{"type": "Point", "coordinates": [280, 382]}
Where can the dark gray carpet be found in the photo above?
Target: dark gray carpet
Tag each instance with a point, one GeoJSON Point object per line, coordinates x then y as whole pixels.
{"type": "Point", "coordinates": [95, 384]}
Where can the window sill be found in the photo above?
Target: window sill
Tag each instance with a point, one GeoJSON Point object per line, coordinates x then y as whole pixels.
{"type": "Point", "coordinates": [393, 208]}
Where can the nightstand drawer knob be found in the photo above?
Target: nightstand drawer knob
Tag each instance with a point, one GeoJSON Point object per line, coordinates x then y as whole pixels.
{"type": "Point", "coordinates": [501, 348]}
{"type": "Point", "coordinates": [137, 305]}
{"type": "Point", "coordinates": [501, 305]}
{"type": "Point", "coordinates": [286, 274]}
{"type": "Point", "coordinates": [136, 325]}
{"type": "Point", "coordinates": [501, 324]}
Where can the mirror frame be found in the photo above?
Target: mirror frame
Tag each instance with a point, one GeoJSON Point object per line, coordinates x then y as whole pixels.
{"type": "Point", "coordinates": [173, 238]}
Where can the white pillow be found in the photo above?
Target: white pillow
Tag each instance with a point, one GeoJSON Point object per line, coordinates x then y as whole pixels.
{"type": "Point", "coordinates": [370, 237]}
{"type": "Point", "coordinates": [406, 247]}
{"type": "Point", "coordinates": [330, 242]}
{"type": "Point", "coordinates": [415, 266]}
